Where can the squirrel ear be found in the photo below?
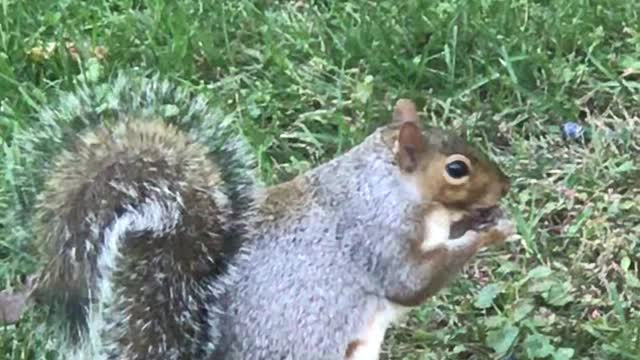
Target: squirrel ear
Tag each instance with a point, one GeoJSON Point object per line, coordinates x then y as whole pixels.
{"type": "Point", "coordinates": [405, 111]}
{"type": "Point", "coordinates": [410, 146]}
{"type": "Point", "coordinates": [410, 142]}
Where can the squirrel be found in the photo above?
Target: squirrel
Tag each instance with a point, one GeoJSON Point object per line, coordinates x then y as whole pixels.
{"type": "Point", "coordinates": [160, 242]}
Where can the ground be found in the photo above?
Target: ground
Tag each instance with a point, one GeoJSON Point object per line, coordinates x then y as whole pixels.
{"type": "Point", "coordinates": [309, 79]}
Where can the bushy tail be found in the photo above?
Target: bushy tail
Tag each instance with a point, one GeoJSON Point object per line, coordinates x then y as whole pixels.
{"type": "Point", "coordinates": [137, 214]}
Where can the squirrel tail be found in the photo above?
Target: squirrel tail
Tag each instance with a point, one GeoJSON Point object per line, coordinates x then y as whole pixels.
{"type": "Point", "coordinates": [140, 215]}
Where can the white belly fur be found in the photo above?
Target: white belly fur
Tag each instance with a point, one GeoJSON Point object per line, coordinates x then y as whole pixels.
{"type": "Point", "coordinates": [373, 336]}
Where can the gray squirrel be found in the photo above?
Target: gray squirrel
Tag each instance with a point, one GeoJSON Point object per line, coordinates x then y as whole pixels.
{"type": "Point", "coordinates": [159, 242]}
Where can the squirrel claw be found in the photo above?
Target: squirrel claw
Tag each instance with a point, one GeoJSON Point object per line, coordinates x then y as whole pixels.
{"type": "Point", "coordinates": [497, 235]}
{"type": "Point", "coordinates": [506, 227]}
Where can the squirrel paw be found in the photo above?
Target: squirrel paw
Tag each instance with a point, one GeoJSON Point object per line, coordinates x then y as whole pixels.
{"type": "Point", "coordinates": [497, 234]}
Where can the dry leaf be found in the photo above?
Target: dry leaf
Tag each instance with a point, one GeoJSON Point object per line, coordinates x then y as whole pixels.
{"type": "Point", "coordinates": [100, 52]}
{"type": "Point", "coordinates": [12, 306]}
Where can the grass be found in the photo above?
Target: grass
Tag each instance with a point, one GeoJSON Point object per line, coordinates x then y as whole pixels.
{"type": "Point", "coordinates": [309, 79]}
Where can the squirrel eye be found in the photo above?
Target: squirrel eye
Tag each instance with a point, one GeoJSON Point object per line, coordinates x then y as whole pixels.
{"type": "Point", "coordinates": [457, 169]}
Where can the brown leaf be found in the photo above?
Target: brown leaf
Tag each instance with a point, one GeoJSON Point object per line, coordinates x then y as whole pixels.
{"type": "Point", "coordinates": [12, 306]}
{"type": "Point", "coordinates": [13, 303]}
{"type": "Point", "coordinates": [100, 52]}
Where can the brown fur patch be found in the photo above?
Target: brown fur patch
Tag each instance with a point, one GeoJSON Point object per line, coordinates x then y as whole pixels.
{"type": "Point", "coordinates": [352, 347]}
{"type": "Point", "coordinates": [283, 198]}
{"type": "Point", "coordinates": [410, 147]}
{"type": "Point", "coordinates": [355, 344]}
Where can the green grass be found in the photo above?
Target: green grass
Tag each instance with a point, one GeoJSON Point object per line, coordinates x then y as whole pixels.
{"type": "Point", "coordinates": [310, 79]}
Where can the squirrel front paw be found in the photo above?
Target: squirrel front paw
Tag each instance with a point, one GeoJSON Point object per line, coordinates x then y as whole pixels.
{"type": "Point", "coordinates": [497, 234]}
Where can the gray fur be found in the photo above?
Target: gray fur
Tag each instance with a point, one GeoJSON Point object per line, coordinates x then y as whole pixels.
{"type": "Point", "coordinates": [312, 279]}
{"type": "Point", "coordinates": [310, 261]}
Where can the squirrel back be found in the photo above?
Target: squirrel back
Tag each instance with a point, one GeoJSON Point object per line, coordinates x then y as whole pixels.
{"type": "Point", "coordinates": [138, 210]}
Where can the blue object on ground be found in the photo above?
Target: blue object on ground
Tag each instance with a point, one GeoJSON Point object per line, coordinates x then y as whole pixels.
{"type": "Point", "coordinates": [572, 130]}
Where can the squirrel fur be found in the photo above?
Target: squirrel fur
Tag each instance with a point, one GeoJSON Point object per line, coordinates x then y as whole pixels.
{"type": "Point", "coordinates": [159, 242]}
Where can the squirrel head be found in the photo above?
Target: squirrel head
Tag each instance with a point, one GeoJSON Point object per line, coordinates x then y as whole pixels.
{"type": "Point", "coordinates": [443, 167]}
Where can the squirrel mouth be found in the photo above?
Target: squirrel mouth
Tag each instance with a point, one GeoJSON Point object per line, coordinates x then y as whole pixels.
{"type": "Point", "coordinates": [476, 219]}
